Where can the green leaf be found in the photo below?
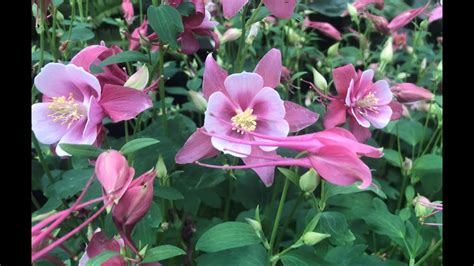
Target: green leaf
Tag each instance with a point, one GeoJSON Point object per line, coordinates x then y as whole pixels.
{"type": "Point", "coordinates": [166, 22]}
{"type": "Point", "coordinates": [335, 224]}
{"type": "Point", "coordinates": [168, 193]}
{"type": "Point", "coordinates": [226, 236]}
{"type": "Point", "coordinates": [331, 8]}
{"type": "Point", "coordinates": [162, 253]}
{"type": "Point", "coordinates": [81, 150]}
{"type": "Point", "coordinates": [71, 183]}
{"type": "Point", "coordinates": [123, 57]}
{"type": "Point", "coordinates": [384, 222]}
{"type": "Point", "coordinates": [292, 176]}
{"type": "Point", "coordinates": [410, 131]}
{"type": "Point", "coordinates": [392, 157]}
{"type": "Point", "coordinates": [333, 190]}
{"type": "Point", "coordinates": [344, 255]}
{"type": "Point", "coordinates": [429, 168]}
{"type": "Point", "coordinates": [300, 257]}
{"type": "Point", "coordinates": [194, 84]}
{"type": "Point", "coordinates": [243, 256]}
{"type": "Point", "coordinates": [137, 144]}
{"type": "Point", "coordinates": [79, 33]}
{"type": "Point", "coordinates": [186, 9]}
{"type": "Point", "coordinates": [101, 258]}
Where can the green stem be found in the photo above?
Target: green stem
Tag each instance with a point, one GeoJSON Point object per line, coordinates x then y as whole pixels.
{"type": "Point", "coordinates": [125, 124]}
{"type": "Point", "coordinates": [322, 202]}
{"type": "Point", "coordinates": [435, 135]}
{"type": "Point", "coordinates": [430, 252]}
{"type": "Point", "coordinates": [162, 89]}
{"type": "Point", "coordinates": [288, 220]}
{"type": "Point", "coordinates": [41, 159]}
{"type": "Point", "coordinates": [228, 199]}
{"type": "Point", "coordinates": [140, 3]}
{"type": "Point", "coordinates": [278, 216]}
{"type": "Point", "coordinates": [239, 61]}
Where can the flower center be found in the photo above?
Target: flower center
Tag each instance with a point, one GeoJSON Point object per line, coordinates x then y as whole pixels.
{"type": "Point", "coordinates": [368, 101]}
{"type": "Point", "coordinates": [244, 121]}
{"type": "Point", "coordinates": [65, 111]}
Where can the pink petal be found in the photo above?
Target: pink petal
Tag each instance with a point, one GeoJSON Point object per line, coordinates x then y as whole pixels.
{"type": "Point", "coordinates": [272, 128]}
{"type": "Point", "coordinates": [46, 131]}
{"type": "Point", "coordinates": [88, 56]}
{"type": "Point", "coordinates": [381, 118]}
{"type": "Point", "coordinates": [56, 80]}
{"type": "Point", "coordinates": [364, 84]}
{"type": "Point", "coordinates": [95, 114]}
{"type": "Point", "coordinates": [113, 173]}
{"type": "Point", "coordinates": [335, 115]}
{"type": "Point", "coordinates": [324, 27]}
{"type": "Point", "coordinates": [382, 92]}
{"type": "Point", "coordinates": [397, 110]}
{"type": "Point", "coordinates": [406, 17]}
{"type": "Point", "coordinates": [243, 87]}
{"type": "Point", "coordinates": [281, 8]}
{"type": "Point", "coordinates": [342, 78]}
{"type": "Point", "coordinates": [189, 43]}
{"type": "Point", "coordinates": [232, 7]}
{"type": "Point", "coordinates": [267, 173]}
{"type": "Point", "coordinates": [361, 120]}
{"type": "Point", "coordinates": [299, 117]}
{"type": "Point", "coordinates": [362, 134]}
{"type": "Point", "coordinates": [268, 105]}
{"type": "Point", "coordinates": [269, 68]}
{"type": "Point", "coordinates": [232, 148]}
{"type": "Point", "coordinates": [341, 167]}
{"type": "Point", "coordinates": [75, 135]}
{"type": "Point", "coordinates": [213, 78]}
{"type": "Point", "coordinates": [197, 147]}
{"type": "Point", "coordinates": [436, 14]}
{"type": "Point", "coordinates": [121, 103]}
{"type": "Point", "coordinates": [219, 108]}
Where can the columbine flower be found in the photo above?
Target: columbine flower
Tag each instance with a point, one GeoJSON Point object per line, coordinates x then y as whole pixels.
{"type": "Point", "coordinates": [140, 34]}
{"type": "Point", "coordinates": [365, 102]}
{"type": "Point", "coordinates": [410, 93]}
{"type": "Point", "coordinates": [127, 9]}
{"type": "Point", "coordinates": [326, 28]}
{"type": "Point", "coordinates": [279, 8]}
{"type": "Point", "coordinates": [406, 17]}
{"type": "Point", "coordinates": [380, 23]}
{"type": "Point", "coordinates": [98, 244]}
{"type": "Point", "coordinates": [424, 209]}
{"type": "Point", "coordinates": [333, 153]}
{"type": "Point", "coordinates": [399, 40]}
{"type": "Point", "coordinates": [242, 103]}
{"type": "Point", "coordinates": [197, 25]}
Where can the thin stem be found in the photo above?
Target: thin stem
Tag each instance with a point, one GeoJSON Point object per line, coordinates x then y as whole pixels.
{"type": "Point", "coordinates": [125, 124]}
{"type": "Point", "coordinates": [140, 3]}
{"type": "Point", "coordinates": [278, 216]}
{"type": "Point", "coordinates": [430, 251]}
{"type": "Point", "coordinates": [228, 199]}
{"type": "Point", "coordinates": [239, 61]}
{"type": "Point", "coordinates": [288, 220]}
{"type": "Point", "coordinates": [41, 159]}
{"type": "Point", "coordinates": [161, 88]}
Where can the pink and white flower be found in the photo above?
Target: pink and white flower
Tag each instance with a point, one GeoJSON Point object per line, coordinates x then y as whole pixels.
{"type": "Point", "coordinates": [324, 27]}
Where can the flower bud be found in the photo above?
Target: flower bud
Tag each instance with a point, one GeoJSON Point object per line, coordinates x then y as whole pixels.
{"type": "Point", "coordinates": [407, 164]}
{"type": "Point", "coordinates": [409, 50]}
{"type": "Point", "coordinates": [139, 79]}
{"type": "Point", "coordinates": [421, 204]}
{"type": "Point", "coordinates": [409, 93]}
{"type": "Point", "coordinates": [231, 34]}
{"type": "Point", "coordinates": [424, 25]}
{"type": "Point", "coordinates": [255, 224]}
{"type": "Point", "coordinates": [198, 100]}
{"type": "Point", "coordinates": [319, 80]}
{"type": "Point", "coordinates": [387, 53]}
{"type": "Point", "coordinates": [309, 181]}
{"type": "Point", "coordinates": [113, 173]}
{"type": "Point", "coordinates": [402, 75]}
{"type": "Point", "coordinates": [312, 238]}
{"type": "Point", "coordinates": [160, 167]}
{"type": "Point", "coordinates": [440, 66]}
{"type": "Point", "coordinates": [423, 64]}
{"type": "Point", "coordinates": [333, 50]}
{"type": "Point", "coordinates": [352, 10]}
{"type": "Point", "coordinates": [253, 32]}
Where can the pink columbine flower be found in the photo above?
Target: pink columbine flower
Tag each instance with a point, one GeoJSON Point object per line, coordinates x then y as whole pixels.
{"type": "Point", "coordinates": [333, 153]}
{"type": "Point", "coordinates": [127, 9]}
{"type": "Point", "coordinates": [380, 23]}
{"type": "Point", "coordinates": [406, 17]}
{"type": "Point", "coordinates": [141, 33]}
{"type": "Point", "coordinates": [399, 40]}
{"type": "Point", "coordinates": [360, 5]}
{"type": "Point", "coordinates": [326, 28]}
{"type": "Point", "coordinates": [241, 103]}
{"type": "Point", "coordinates": [410, 93]}
{"type": "Point", "coordinates": [98, 244]}
{"type": "Point", "coordinates": [278, 8]}
{"type": "Point", "coordinates": [436, 14]}
{"type": "Point", "coordinates": [365, 102]}
{"type": "Point", "coordinates": [197, 25]}
{"type": "Point", "coordinates": [424, 209]}
{"type": "Point", "coordinates": [133, 206]}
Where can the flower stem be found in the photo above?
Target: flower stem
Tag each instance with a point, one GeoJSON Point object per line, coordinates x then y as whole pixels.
{"type": "Point", "coordinates": [278, 216]}
{"type": "Point", "coordinates": [239, 61]}
{"type": "Point", "coordinates": [430, 251]}
{"type": "Point", "coordinates": [162, 89]}
{"type": "Point", "coordinates": [41, 159]}
{"type": "Point", "coordinates": [288, 220]}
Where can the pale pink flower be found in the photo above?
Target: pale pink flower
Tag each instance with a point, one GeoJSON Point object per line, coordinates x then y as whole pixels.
{"type": "Point", "coordinates": [436, 14]}
{"type": "Point", "coordinates": [324, 27]}
{"type": "Point", "coordinates": [127, 10]}
{"type": "Point", "coordinates": [278, 8]}
{"type": "Point", "coordinates": [406, 17]}
{"type": "Point", "coordinates": [409, 93]}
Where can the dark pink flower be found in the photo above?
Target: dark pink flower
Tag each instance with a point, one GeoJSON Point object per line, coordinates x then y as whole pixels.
{"type": "Point", "coordinates": [410, 93]}
{"type": "Point", "coordinates": [240, 103]}
{"type": "Point", "coordinates": [193, 26]}
{"type": "Point", "coordinates": [141, 33]}
{"type": "Point", "coordinates": [365, 102]}
{"type": "Point", "coordinates": [399, 40]}
{"type": "Point", "coordinates": [406, 17]}
{"type": "Point", "coordinates": [380, 23]}
{"type": "Point", "coordinates": [98, 244]}
{"type": "Point", "coordinates": [278, 8]}
{"type": "Point", "coordinates": [326, 28]}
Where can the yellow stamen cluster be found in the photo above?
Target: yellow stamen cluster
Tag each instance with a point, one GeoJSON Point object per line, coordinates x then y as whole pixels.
{"type": "Point", "coordinates": [65, 111]}
{"type": "Point", "coordinates": [244, 121]}
{"type": "Point", "coordinates": [369, 102]}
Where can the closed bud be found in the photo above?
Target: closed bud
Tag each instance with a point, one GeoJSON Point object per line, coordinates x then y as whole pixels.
{"type": "Point", "coordinates": [402, 75]}
{"type": "Point", "coordinates": [161, 170]}
{"type": "Point", "coordinates": [198, 100]}
{"type": "Point", "coordinates": [255, 224]}
{"type": "Point", "coordinates": [309, 181]}
{"type": "Point", "coordinates": [113, 173]}
{"type": "Point", "coordinates": [254, 29]}
{"type": "Point", "coordinates": [423, 64]}
{"type": "Point", "coordinates": [333, 50]}
{"type": "Point", "coordinates": [139, 79]}
{"type": "Point", "coordinates": [387, 53]}
{"type": "Point", "coordinates": [424, 24]}
{"type": "Point", "coordinates": [312, 238]}
{"type": "Point", "coordinates": [352, 10]}
{"type": "Point", "coordinates": [231, 34]}
{"type": "Point", "coordinates": [319, 80]}
{"type": "Point", "coordinates": [421, 206]}
{"type": "Point", "coordinates": [440, 66]}
{"type": "Point", "coordinates": [407, 164]}
{"type": "Point", "coordinates": [409, 50]}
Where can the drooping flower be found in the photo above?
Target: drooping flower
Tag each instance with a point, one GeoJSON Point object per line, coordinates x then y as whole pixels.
{"type": "Point", "coordinates": [365, 102]}
{"type": "Point", "coordinates": [98, 244]}
{"type": "Point", "coordinates": [424, 209]}
{"type": "Point", "coordinates": [324, 27]}
{"type": "Point", "coordinates": [278, 8]}
{"type": "Point", "coordinates": [380, 23]}
{"type": "Point", "coordinates": [244, 102]}
{"type": "Point", "coordinates": [133, 206]}
{"type": "Point", "coordinates": [399, 40]}
{"type": "Point", "coordinates": [406, 17]}
{"type": "Point", "coordinates": [127, 10]}
{"type": "Point", "coordinates": [193, 26]}
{"type": "Point", "coordinates": [410, 93]}
{"type": "Point", "coordinates": [333, 153]}
{"type": "Point", "coordinates": [141, 34]}
{"type": "Point", "coordinates": [436, 14]}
